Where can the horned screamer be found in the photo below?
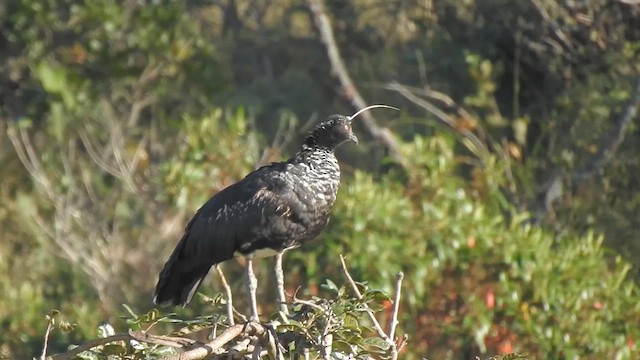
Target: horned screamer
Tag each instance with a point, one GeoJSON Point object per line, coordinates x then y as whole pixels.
{"type": "Point", "coordinates": [275, 208]}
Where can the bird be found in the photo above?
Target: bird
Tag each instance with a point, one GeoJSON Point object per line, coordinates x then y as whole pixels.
{"type": "Point", "coordinates": [275, 208]}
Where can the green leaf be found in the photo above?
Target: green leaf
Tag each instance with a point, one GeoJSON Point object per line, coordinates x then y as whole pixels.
{"type": "Point", "coordinates": [375, 344]}
{"type": "Point", "coordinates": [54, 80]}
{"type": "Point", "coordinates": [377, 295]}
{"type": "Point", "coordinates": [330, 285]}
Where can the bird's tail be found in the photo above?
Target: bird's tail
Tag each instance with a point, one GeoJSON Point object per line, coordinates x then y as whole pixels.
{"type": "Point", "coordinates": [178, 282]}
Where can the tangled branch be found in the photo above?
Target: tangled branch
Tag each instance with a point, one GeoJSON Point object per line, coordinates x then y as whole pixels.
{"type": "Point", "coordinates": [315, 325]}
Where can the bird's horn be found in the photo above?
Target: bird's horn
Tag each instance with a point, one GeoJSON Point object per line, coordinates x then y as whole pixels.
{"type": "Point", "coordinates": [371, 107]}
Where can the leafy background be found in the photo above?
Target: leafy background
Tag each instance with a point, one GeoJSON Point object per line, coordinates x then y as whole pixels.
{"type": "Point", "coordinates": [120, 118]}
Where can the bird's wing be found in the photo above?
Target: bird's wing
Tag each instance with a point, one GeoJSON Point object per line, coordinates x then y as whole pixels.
{"type": "Point", "coordinates": [219, 228]}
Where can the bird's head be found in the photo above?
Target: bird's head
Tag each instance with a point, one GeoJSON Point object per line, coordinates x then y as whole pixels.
{"type": "Point", "coordinates": [332, 132]}
{"type": "Point", "coordinates": [336, 129]}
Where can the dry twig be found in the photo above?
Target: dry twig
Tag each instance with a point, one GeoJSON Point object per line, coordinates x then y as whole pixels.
{"type": "Point", "coordinates": [46, 338]}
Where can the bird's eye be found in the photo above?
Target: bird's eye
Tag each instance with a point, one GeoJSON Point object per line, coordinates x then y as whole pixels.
{"type": "Point", "coordinates": [346, 127]}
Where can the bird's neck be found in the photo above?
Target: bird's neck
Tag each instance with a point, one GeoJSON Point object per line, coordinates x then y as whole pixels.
{"type": "Point", "coordinates": [314, 155]}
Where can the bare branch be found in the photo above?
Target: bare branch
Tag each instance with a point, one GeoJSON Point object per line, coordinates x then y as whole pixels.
{"type": "Point", "coordinates": [228, 293]}
{"type": "Point", "coordinates": [396, 306]}
{"type": "Point", "coordinates": [46, 337]}
{"type": "Point", "coordinates": [136, 109]}
{"type": "Point", "coordinates": [308, 303]}
{"type": "Point", "coordinates": [91, 148]}
{"type": "Point", "coordinates": [349, 90]}
{"type": "Point", "coordinates": [26, 154]}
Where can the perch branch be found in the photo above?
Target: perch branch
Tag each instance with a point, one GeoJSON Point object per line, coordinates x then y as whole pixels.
{"type": "Point", "coordinates": [251, 328]}
{"type": "Point", "coordinates": [140, 336]}
{"type": "Point", "coordinates": [349, 90]}
{"type": "Point", "coordinates": [165, 340]}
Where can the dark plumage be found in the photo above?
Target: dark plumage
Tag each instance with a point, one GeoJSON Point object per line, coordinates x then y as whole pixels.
{"type": "Point", "coordinates": [276, 207]}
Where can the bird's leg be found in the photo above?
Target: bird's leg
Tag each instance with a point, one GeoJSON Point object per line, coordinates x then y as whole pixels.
{"type": "Point", "coordinates": [277, 269]}
{"type": "Point", "coordinates": [253, 286]}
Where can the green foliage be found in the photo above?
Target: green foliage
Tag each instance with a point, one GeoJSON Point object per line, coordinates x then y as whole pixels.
{"type": "Point", "coordinates": [123, 106]}
{"type": "Point", "coordinates": [337, 321]}
{"type": "Point", "coordinates": [104, 260]}
{"type": "Point", "coordinates": [492, 283]}
{"type": "Point", "coordinates": [199, 167]}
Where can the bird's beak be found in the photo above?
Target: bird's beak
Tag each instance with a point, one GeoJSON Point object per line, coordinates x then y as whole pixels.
{"type": "Point", "coordinates": [353, 138]}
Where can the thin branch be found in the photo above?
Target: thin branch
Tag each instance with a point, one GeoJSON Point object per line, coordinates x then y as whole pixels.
{"type": "Point", "coordinates": [394, 314]}
{"type": "Point", "coordinates": [136, 110]}
{"type": "Point", "coordinates": [91, 148]}
{"type": "Point", "coordinates": [228, 293]}
{"type": "Point", "coordinates": [88, 346]}
{"type": "Point", "coordinates": [478, 147]}
{"type": "Point", "coordinates": [396, 306]}
{"type": "Point", "coordinates": [402, 342]}
{"type": "Point", "coordinates": [372, 317]}
{"type": "Point", "coordinates": [615, 138]}
{"type": "Point", "coordinates": [26, 154]}
{"type": "Point", "coordinates": [554, 25]}
{"type": "Point", "coordinates": [349, 90]}
{"type": "Point", "coordinates": [46, 338]}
